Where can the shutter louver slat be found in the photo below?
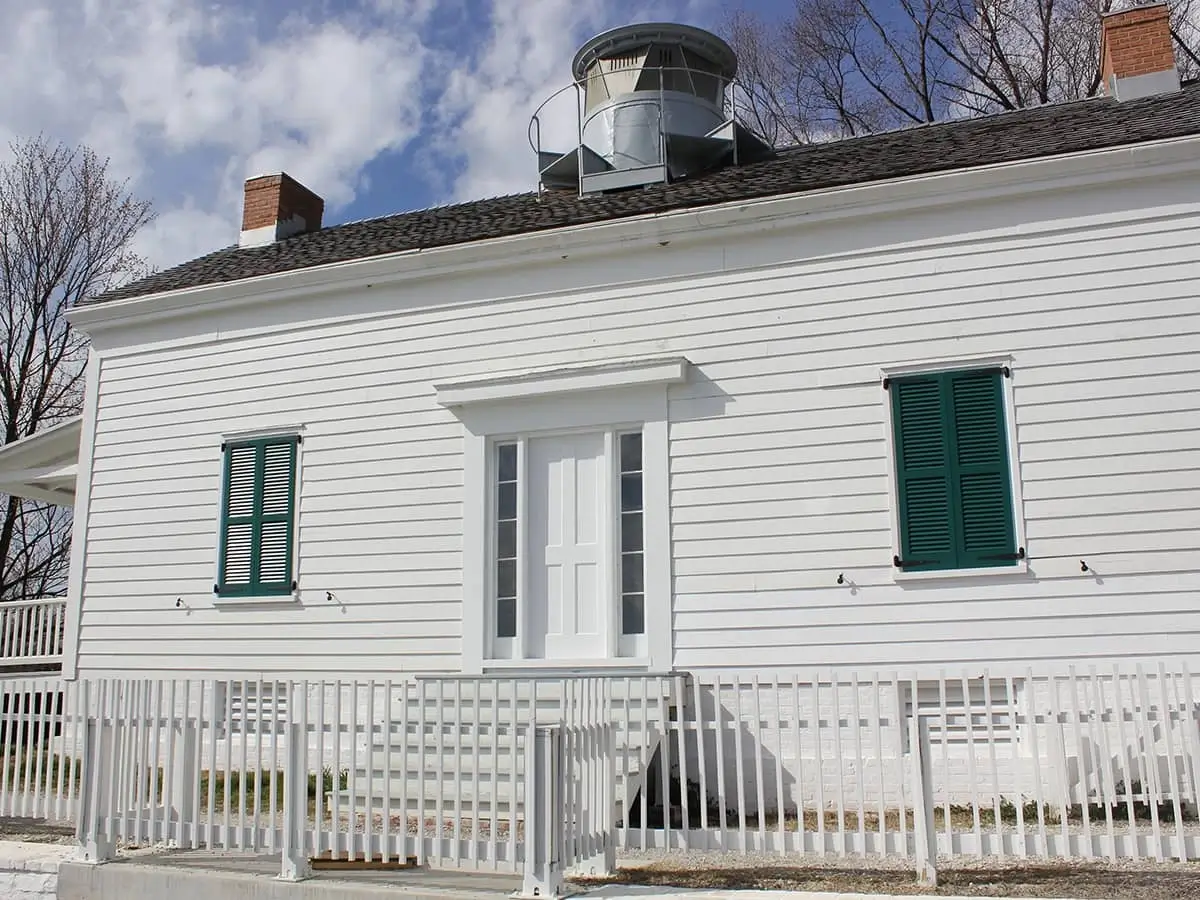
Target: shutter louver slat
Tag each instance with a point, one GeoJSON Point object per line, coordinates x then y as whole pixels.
{"type": "Point", "coordinates": [258, 518]}
{"type": "Point", "coordinates": [277, 480]}
{"type": "Point", "coordinates": [981, 449]}
{"type": "Point", "coordinates": [239, 542]}
{"type": "Point", "coordinates": [273, 567]}
{"type": "Point", "coordinates": [239, 499]}
{"type": "Point", "coordinates": [926, 540]}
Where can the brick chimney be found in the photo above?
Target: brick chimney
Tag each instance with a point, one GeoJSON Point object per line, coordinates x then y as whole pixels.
{"type": "Point", "coordinates": [1137, 53]}
{"type": "Point", "coordinates": [277, 207]}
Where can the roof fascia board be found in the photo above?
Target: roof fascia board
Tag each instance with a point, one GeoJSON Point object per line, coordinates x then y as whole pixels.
{"type": "Point", "coordinates": [738, 218]}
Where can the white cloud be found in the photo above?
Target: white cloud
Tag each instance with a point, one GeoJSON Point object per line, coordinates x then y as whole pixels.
{"type": "Point", "coordinates": [159, 85]}
{"type": "Point", "coordinates": [190, 97]}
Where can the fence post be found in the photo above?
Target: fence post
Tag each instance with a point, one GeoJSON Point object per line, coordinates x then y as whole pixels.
{"type": "Point", "coordinates": [295, 865]}
{"type": "Point", "coordinates": [184, 775]}
{"type": "Point", "coordinates": [543, 813]}
{"type": "Point", "coordinates": [98, 845]}
{"type": "Point", "coordinates": [924, 833]}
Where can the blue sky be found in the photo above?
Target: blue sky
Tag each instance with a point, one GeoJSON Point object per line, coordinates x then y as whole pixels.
{"type": "Point", "coordinates": [377, 105]}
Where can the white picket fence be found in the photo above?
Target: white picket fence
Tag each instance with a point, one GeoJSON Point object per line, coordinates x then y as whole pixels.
{"type": "Point", "coordinates": [440, 771]}
{"type": "Point", "coordinates": [1093, 762]}
{"type": "Point", "coordinates": [544, 776]}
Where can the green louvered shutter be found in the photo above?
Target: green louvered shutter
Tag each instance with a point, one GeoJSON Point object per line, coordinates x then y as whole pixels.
{"type": "Point", "coordinates": [257, 518]}
{"type": "Point", "coordinates": [923, 476]}
{"type": "Point", "coordinates": [979, 453]}
{"type": "Point", "coordinates": [952, 474]}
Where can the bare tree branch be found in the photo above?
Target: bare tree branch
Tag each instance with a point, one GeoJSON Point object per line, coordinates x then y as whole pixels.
{"type": "Point", "coordinates": [65, 233]}
{"type": "Point", "coordinates": [836, 68]}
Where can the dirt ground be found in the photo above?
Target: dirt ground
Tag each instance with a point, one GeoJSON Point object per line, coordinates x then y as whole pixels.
{"type": "Point", "coordinates": [1123, 880]}
{"type": "Point", "coordinates": [1104, 880]}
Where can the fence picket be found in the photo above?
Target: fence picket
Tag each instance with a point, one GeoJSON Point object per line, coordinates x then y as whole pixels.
{"type": "Point", "coordinates": [722, 797]}
{"type": "Point", "coordinates": [799, 778]}
{"type": "Point", "coordinates": [701, 763]}
{"type": "Point", "coordinates": [1149, 768]}
{"type": "Point", "coordinates": [1173, 789]}
{"type": "Point", "coordinates": [943, 714]}
{"type": "Point", "coordinates": [876, 716]}
{"type": "Point", "coordinates": [680, 696]}
{"type": "Point", "coordinates": [757, 738]}
{"type": "Point", "coordinates": [514, 727]}
{"type": "Point", "coordinates": [816, 696]}
{"type": "Point", "coordinates": [1187, 721]}
{"type": "Point", "coordinates": [859, 766]}
{"type": "Point", "coordinates": [901, 783]}
{"type": "Point", "coordinates": [664, 768]}
{"type": "Point", "coordinates": [840, 757]}
{"type": "Point", "coordinates": [990, 726]}
{"type": "Point", "coordinates": [739, 760]}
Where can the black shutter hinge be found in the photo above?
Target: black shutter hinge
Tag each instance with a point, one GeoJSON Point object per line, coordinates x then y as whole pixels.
{"type": "Point", "coordinates": [216, 589]}
{"type": "Point", "coordinates": [908, 563]}
{"type": "Point", "coordinates": [1006, 371]}
{"type": "Point", "coordinates": [887, 383]}
{"type": "Point", "coordinates": [223, 446]}
{"type": "Point", "coordinates": [299, 439]}
{"type": "Point", "coordinates": [295, 585]}
{"type": "Point", "coordinates": [1020, 554]}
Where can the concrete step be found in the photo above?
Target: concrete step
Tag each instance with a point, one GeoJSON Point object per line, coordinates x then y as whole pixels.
{"type": "Point", "coordinates": [483, 742]}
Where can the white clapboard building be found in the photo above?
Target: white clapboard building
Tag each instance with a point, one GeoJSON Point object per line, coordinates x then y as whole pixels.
{"type": "Point", "coordinates": [914, 402]}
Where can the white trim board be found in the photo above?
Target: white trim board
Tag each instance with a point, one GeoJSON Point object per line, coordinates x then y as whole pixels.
{"type": "Point", "coordinates": [922, 367]}
{"type": "Point", "coordinates": [544, 383]}
{"type": "Point", "coordinates": [79, 524]}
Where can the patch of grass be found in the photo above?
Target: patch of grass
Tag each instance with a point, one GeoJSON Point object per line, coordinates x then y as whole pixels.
{"type": "Point", "coordinates": [254, 787]}
{"type": "Point", "coordinates": [28, 772]}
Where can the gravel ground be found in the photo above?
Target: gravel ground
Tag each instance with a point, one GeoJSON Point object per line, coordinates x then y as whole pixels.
{"type": "Point", "coordinates": [36, 832]}
{"type": "Point", "coordinates": [1122, 880]}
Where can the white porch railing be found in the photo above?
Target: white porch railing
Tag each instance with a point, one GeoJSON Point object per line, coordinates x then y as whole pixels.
{"type": "Point", "coordinates": [541, 776]}
{"type": "Point", "coordinates": [31, 632]}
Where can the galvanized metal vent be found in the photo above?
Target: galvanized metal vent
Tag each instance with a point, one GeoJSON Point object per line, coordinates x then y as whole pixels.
{"type": "Point", "coordinates": [653, 104]}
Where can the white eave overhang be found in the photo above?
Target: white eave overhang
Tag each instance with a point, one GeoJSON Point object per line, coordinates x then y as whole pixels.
{"type": "Point", "coordinates": [532, 384]}
{"type": "Point", "coordinates": [43, 466]}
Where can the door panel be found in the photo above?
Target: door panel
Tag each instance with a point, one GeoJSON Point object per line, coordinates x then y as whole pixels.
{"type": "Point", "coordinates": [567, 511]}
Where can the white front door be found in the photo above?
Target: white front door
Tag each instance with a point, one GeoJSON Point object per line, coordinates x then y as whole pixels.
{"type": "Point", "coordinates": [568, 613]}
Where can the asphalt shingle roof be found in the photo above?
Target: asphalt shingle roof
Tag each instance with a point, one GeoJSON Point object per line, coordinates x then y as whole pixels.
{"type": "Point", "coordinates": [1050, 130]}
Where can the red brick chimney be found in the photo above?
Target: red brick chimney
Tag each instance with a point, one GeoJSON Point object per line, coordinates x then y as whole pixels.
{"type": "Point", "coordinates": [277, 207]}
{"type": "Point", "coordinates": [1137, 52]}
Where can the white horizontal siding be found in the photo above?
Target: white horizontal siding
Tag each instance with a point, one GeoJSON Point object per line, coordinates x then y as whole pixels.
{"type": "Point", "coordinates": [778, 447]}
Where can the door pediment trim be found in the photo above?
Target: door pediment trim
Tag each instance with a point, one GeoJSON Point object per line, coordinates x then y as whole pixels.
{"type": "Point", "coordinates": [532, 384]}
